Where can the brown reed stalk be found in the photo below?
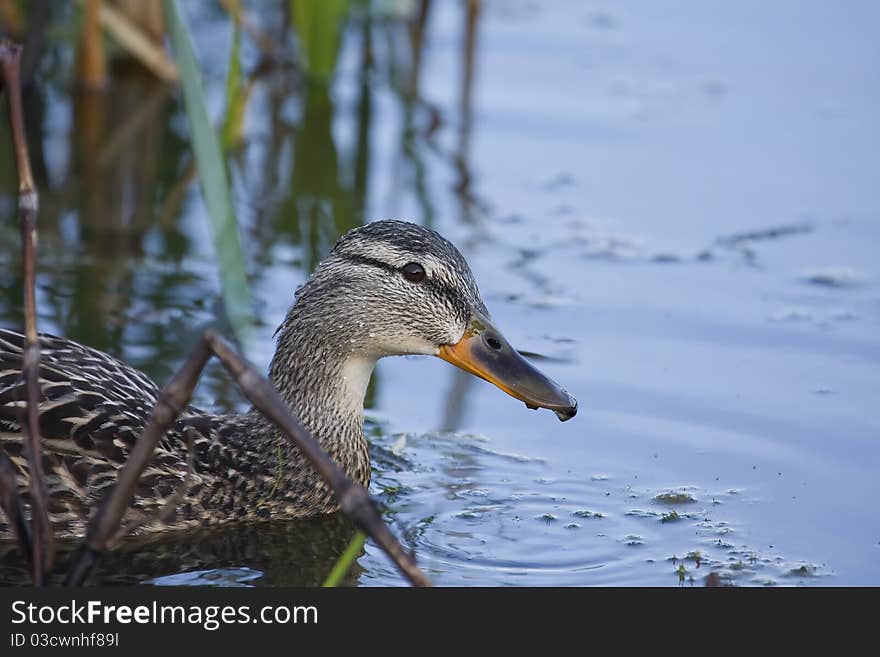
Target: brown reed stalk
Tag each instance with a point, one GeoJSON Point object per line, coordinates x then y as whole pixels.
{"type": "Point", "coordinates": [92, 60]}
{"type": "Point", "coordinates": [42, 543]}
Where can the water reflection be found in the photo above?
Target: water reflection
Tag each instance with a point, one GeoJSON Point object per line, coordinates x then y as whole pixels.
{"type": "Point", "coordinates": [290, 553]}
{"type": "Point", "coordinates": [117, 185]}
{"type": "Point", "coordinates": [585, 162]}
{"type": "Point", "coordinates": [463, 186]}
{"type": "Point", "coordinates": [123, 263]}
{"type": "Point", "coordinates": [322, 200]}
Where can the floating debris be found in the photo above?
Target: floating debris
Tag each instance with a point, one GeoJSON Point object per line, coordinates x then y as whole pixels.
{"type": "Point", "coordinates": [671, 499]}
{"type": "Point", "coordinates": [774, 233]}
{"type": "Point", "coordinates": [804, 570]}
{"type": "Point", "coordinates": [681, 571]}
{"type": "Point", "coordinates": [475, 492]}
{"type": "Point", "coordinates": [612, 247]}
{"type": "Point", "coordinates": [793, 315]}
{"type": "Point", "coordinates": [834, 277]}
{"type": "Point", "coordinates": [672, 516]}
{"type": "Point", "coordinates": [666, 258]}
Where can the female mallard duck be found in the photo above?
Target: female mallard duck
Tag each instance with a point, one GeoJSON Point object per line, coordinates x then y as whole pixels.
{"type": "Point", "coordinates": [388, 288]}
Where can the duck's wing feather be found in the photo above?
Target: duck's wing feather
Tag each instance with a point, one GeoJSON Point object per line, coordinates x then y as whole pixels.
{"type": "Point", "coordinates": [93, 408]}
{"type": "Point", "coordinates": [91, 403]}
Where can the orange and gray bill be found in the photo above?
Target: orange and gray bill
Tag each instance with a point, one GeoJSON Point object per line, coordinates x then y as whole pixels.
{"type": "Point", "coordinates": [483, 351]}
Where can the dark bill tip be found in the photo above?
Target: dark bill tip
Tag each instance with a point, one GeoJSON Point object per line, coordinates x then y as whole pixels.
{"type": "Point", "coordinates": [568, 412]}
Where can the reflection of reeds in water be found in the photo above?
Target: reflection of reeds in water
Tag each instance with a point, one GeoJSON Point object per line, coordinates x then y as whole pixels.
{"type": "Point", "coordinates": [116, 194]}
{"type": "Point", "coordinates": [116, 143]}
{"type": "Point", "coordinates": [105, 526]}
{"type": "Point", "coordinates": [215, 182]}
{"type": "Point", "coordinates": [319, 30]}
{"type": "Point", "coordinates": [290, 553]}
{"type": "Point", "coordinates": [462, 157]}
{"type": "Point", "coordinates": [129, 174]}
{"type": "Point", "coordinates": [92, 64]}
{"type": "Point", "coordinates": [119, 182]}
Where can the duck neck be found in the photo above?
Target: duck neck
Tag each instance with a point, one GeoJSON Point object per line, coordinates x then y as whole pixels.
{"type": "Point", "coordinates": [324, 382]}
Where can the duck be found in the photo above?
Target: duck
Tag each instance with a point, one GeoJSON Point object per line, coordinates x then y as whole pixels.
{"type": "Point", "coordinates": [387, 288]}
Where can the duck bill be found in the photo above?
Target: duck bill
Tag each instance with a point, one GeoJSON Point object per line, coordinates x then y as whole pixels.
{"type": "Point", "coordinates": [484, 352]}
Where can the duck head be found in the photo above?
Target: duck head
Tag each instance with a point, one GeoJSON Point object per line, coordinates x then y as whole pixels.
{"type": "Point", "coordinates": [396, 288]}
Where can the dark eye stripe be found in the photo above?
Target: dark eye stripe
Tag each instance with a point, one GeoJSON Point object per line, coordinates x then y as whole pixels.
{"type": "Point", "coordinates": [441, 290]}
{"type": "Point", "coordinates": [364, 260]}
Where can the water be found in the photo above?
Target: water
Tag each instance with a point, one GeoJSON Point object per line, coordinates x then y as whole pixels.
{"type": "Point", "coordinates": [672, 204]}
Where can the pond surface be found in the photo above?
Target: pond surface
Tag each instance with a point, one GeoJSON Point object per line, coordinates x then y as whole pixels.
{"type": "Point", "coordinates": [674, 204]}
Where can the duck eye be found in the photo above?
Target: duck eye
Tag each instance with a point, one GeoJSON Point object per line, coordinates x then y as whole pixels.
{"type": "Point", "coordinates": [413, 272]}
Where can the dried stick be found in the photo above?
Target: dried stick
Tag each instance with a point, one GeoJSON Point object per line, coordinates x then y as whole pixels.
{"type": "Point", "coordinates": [138, 43]}
{"type": "Point", "coordinates": [353, 499]}
{"type": "Point", "coordinates": [42, 544]}
{"type": "Point", "coordinates": [135, 40]}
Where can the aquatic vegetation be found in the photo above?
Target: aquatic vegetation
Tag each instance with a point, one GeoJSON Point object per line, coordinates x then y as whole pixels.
{"type": "Point", "coordinates": [672, 516]}
{"type": "Point", "coordinates": [681, 571]}
{"type": "Point", "coordinates": [343, 565]}
{"type": "Point", "coordinates": [215, 182]}
{"type": "Point", "coordinates": [319, 26]}
{"type": "Point", "coordinates": [766, 234]}
{"type": "Point", "coordinates": [672, 499]}
{"type": "Point", "coordinates": [804, 570]}
{"type": "Point", "coordinates": [832, 277]}
{"type": "Point", "coordinates": [696, 556]}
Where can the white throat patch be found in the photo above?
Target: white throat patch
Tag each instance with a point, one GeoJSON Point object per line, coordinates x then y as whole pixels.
{"type": "Point", "coordinates": [356, 372]}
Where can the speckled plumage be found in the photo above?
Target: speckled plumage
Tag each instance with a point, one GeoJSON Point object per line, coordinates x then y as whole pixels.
{"type": "Point", "coordinates": [355, 309]}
